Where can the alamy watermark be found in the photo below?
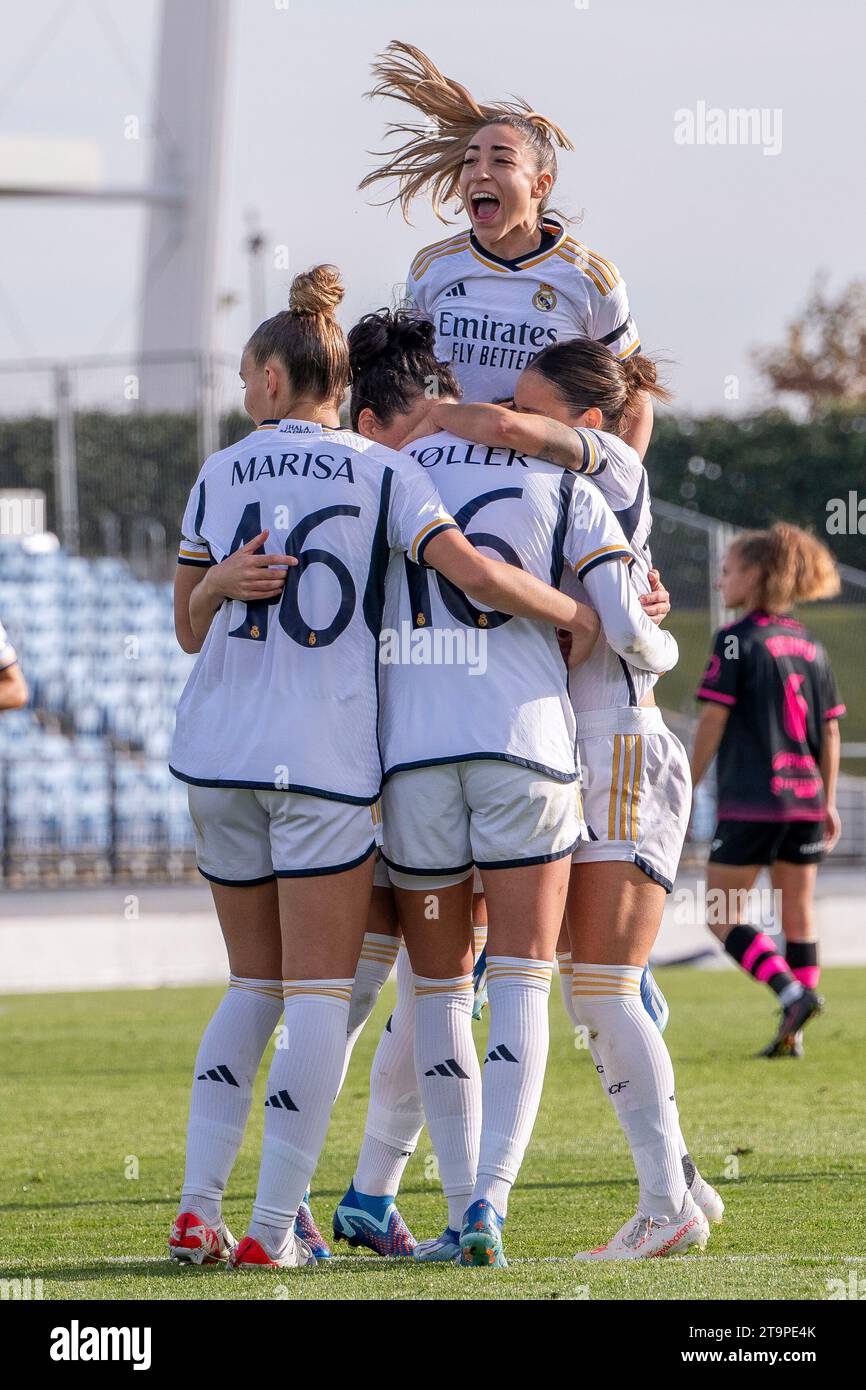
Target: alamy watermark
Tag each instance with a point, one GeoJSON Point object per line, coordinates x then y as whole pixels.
{"type": "Point", "coordinates": [434, 646]}
{"type": "Point", "coordinates": [713, 125]}
{"type": "Point", "coordinates": [22, 513]}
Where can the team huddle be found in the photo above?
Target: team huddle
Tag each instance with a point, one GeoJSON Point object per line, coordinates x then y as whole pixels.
{"type": "Point", "coordinates": [359, 801]}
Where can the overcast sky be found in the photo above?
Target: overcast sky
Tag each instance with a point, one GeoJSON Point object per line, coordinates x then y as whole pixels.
{"type": "Point", "coordinates": [718, 243]}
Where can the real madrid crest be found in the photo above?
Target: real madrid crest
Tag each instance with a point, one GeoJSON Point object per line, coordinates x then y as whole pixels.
{"type": "Point", "coordinates": [544, 298]}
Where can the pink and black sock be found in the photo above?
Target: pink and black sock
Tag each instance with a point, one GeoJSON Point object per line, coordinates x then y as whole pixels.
{"type": "Point", "coordinates": [755, 953]}
{"type": "Point", "coordinates": [802, 959]}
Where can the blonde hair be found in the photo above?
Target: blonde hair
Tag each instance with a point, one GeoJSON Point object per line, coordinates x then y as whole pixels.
{"type": "Point", "coordinates": [432, 155]}
{"type": "Point", "coordinates": [794, 566]}
{"type": "Point", "coordinates": [306, 337]}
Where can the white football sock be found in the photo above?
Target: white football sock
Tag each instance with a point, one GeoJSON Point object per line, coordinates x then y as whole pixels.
{"type": "Point", "coordinates": [563, 960]}
{"type": "Point", "coordinates": [375, 963]}
{"type": "Point", "coordinates": [565, 973]}
{"type": "Point", "coordinates": [302, 1085]}
{"type": "Point", "coordinates": [517, 1043]}
{"type": "Point", "coordinates": [395, 1117]}
{"type": "Point", "coordinates": [449, 1081]}
{"type": "Point", "coordinates": [222, 1089]}
{"type": "Point", "coordinates": [639, 1078]}
{"type": "Point", "coordinates": [479, 938]}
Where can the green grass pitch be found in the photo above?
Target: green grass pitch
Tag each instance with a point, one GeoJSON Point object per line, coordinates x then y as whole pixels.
{"type": "Point", "coordinates": [95, 1087]}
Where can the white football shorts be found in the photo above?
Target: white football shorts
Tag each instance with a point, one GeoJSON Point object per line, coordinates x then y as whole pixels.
{"type": "Point", "coordinates": [245, 836]}
{"type": "Point", "coordinates": [637, 791]}
{"type": "Point", "coordinates": [438, 821]}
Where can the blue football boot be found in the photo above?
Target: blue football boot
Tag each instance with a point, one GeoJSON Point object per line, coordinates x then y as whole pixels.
{"type": "Point", "coordinates": [481, 1237]}
{"type": "Point", "coordinates": [374, 1223]}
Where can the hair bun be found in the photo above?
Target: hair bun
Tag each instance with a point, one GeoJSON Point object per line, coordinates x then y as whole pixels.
{"type": "Point", "coordinates": [388, 334]}
{"type": "Point", "coordinates": [317, 291]}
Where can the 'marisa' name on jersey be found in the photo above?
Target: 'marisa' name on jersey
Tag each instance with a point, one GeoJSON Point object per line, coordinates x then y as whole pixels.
{"type": "Point", "coordinates": [315, 465]}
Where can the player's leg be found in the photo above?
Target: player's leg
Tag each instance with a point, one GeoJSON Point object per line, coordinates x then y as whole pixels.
{"type": "Point", "coordinates": [614, 914]}
{"type": "Point", "coordinates": [740, 850]}
{"type": "Point", "coordinates": [324, 859]}
{"type": "Point", "coordinates": [232, 838]}
{"type": "Point", "coordinates": [426, 845]}
{"type": "Point", "coordinates": [524, 828]}
{"type": "Point", "coordinates": [479, 940]}
{"type": "Point", "coordinates": [794, 883]}
{"type": "Point", "coordinates": [367, 1214]}
{"type": "Point", "coordinates": [378, 957]}
{"type": "Point", "coordinates": [446, 1063]}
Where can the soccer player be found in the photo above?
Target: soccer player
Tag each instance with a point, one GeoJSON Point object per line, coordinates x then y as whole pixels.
{"type": "Point", "coordinates": [482, 770]}
{"type": "Point", "coordinates": [276, 738]}
{"type": "Point", "coordinates": [771, 718]}
{"type": "Point", "coordinates": [572, 407]}
{"type": "Point", "coordinates": [513, 281]}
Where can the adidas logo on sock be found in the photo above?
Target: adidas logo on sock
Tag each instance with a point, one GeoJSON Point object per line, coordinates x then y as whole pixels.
{"type": "Point", "coordinates": [456, 291]}
{"type": "Point", "coordinates": [448, 1068]}
{"type": "Point", "coordinates": [500, 1054]}
{"type": "Point", "coordinates": [218, 1074]}
{"type": "Point", "coordinates": [281, 1101]}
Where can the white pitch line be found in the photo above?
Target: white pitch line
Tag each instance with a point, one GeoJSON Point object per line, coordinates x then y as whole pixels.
{"type": "Point", "coordinates": [373, 1264]}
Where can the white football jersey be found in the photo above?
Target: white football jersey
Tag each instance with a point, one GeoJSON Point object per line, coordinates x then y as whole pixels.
{"type": "Point", "coordinates": [283, 695]}
{"type": "Point", "coordinates": [606, 680]}
{"type": "Point", "coordinates": [621, 478]}
{"type": "Point", "coordinates": [460, 681]}
{"type": "Point", "coordinates": [8, 655]}
{"type": "Point", "coordinates": [493, 316]}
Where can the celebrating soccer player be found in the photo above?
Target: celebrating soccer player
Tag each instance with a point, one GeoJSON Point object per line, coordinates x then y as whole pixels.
{"type": "Point", "coordinates": [276, 737]}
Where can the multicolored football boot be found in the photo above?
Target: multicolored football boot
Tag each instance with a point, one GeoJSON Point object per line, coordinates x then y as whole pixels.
{"type": "Point", "coordinates": [444, 1250]}
{"type": "Point", "coordinates": [306, 1228]}
{"type": "Point", "coordinates": [481, 1237]}
{"type": "Point", "coordinates": [374, 1223]}
{"type": "Point", "coordinates": [251, 1255]}
{"type": "Point", "coordinates": [193, 1242]}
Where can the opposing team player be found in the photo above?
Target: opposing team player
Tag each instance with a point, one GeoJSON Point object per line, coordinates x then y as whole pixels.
{"type": "Point", "coordinates": [572, 407]}
{"type": "Point", "coordinates": [479, 768]}
{"type": "Point", "coordinates": [771, 712]}
{"type": "Point", "coordinates": [277, 739]}
{"type": "Point", "coordinates": [514, 281]}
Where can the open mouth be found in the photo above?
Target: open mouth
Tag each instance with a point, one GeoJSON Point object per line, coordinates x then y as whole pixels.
{"type": "Point", "coordinates": [485, 206]}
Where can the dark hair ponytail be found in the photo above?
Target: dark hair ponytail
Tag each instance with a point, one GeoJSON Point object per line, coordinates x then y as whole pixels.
{"type": "Point", "coordinates": [585, 373]}
{"type": "Point", "coordinates": [392, 358]}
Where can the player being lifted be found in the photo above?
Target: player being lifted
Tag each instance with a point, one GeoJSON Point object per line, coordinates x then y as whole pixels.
{"type": "Point", "coordinates": [514, 281]}
{"type": "Point", "coordinates": [771, 712]}
{"type": "Point", "coordinates": [499, 731]}
{"type": "Point", "coordinates": [276, 737]}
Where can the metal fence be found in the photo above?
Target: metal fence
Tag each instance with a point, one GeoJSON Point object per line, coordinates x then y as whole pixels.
{"type": "Point", "coordinates": [114, 466]}
{"type": "Point", "coordinates": [115, 470]}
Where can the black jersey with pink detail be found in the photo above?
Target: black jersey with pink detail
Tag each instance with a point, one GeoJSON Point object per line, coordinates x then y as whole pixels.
{"type": "Point", "coordinates": [777, 682]}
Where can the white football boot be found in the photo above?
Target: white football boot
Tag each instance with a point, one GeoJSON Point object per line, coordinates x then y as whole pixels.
{"type": "Point", "coordinates": [194, 1242]}
{"type": "Point", "coordinates": [704, 1196]}
{"type": "Point", "coordinates": [643, 1238]}
{"type": "Point", "coordinates": [252, 1254]}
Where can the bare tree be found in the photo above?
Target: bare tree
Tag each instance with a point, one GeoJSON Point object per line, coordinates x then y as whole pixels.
{"type": "Point", "coordinates": [823, 357]}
